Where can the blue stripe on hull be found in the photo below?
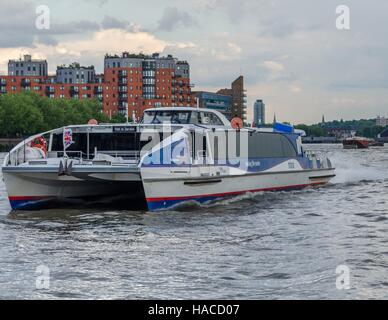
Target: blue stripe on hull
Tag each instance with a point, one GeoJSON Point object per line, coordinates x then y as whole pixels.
{"type": "Point", "coordinates": [27, 204]}
{"type": "Point", "coordinates": [165, 204]}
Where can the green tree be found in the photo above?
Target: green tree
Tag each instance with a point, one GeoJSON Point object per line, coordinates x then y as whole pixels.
{"type": "Point", "coordinates": [28, 113]}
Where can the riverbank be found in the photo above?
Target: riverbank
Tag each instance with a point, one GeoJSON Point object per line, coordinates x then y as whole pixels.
{"type": "Point", "coordinates": [332, 140]}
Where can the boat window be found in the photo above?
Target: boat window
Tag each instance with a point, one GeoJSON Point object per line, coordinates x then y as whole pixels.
{"type": "Point", "coordinates": [194, 117]}
{"type": "Point", "coordinates": [209, 118]}
{"type": "Point", "coordinates": [198, 145]}
{"type": "Point", "coordinates": [148, 117]}
{"type": "Point", "coordinates": [162, 116]}
{"type": "Point", "coordinates": [270, 145]}
{"type": "Point", "coordinates": [113, 141]}
{"type": "Point", "coordinates": [128, 142]}
{"type": "Point", "coordinates": [174, 117]}
{"type": "Point", "coordinates": [180, 117]}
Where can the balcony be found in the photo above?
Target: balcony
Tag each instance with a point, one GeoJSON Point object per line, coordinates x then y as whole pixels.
{"type": "Point", "coordinates": [123, 97]}
{"type": "Point", "coordinates": [123, 81]}
{"type": "Point", "coordinates": [98, 90]}
{"type": "Point", "coordinates": [74, 90]}
{"type": "Point", "coordinates": [123, 105]}
{"type": "Point", "coordinates": [123, 73]}
{"type": "Point", "coordinates": [50, 90]}
{"type": "Point", "coordinates": [25, 83]}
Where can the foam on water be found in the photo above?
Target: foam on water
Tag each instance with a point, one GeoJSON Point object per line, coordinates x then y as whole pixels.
{"type": "Point", "coordinates": [356, 166]}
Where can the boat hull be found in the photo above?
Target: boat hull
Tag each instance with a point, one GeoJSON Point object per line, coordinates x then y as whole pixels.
{"type": "Point", "coordinates": [33, 190]}
{"type": "Point", "coordinates": [165, 193]}
{"type": "Point", "coordinates": [356, 144]}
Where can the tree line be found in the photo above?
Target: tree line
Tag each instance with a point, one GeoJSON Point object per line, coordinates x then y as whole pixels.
{"type": "Point", "coordinates": [365, 128]}
{"type": "Point", "coordinates": [26, 114]}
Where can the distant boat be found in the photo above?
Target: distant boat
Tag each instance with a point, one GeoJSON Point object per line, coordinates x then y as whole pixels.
{"type": "Point", "coordinates": [375, 143]}
{"type": "Point", "coordinates": [356, 143]}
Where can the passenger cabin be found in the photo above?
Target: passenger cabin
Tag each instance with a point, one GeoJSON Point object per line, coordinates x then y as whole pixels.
{"type": "Point", "coordinates": [211, 138]}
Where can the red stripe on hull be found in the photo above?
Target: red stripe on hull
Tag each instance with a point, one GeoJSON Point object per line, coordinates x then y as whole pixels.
{"type": "Point", "coordinates": [301, 186]}
{"type": "Point", "coordinates": [23, 198]}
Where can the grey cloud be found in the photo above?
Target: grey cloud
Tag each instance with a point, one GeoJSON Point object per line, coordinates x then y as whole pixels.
{"type": "Point", "coordinates": [172, 17]}
{"type": "Point", "coordinates": [100, 3]}
{"type": "Point", "coordinates": [47, 40]}
{"type": "Point", "coordinates": [208, 71]}
{"type": "Point", "coordinates": [277, 28]}
{"type": "Point", "coordinates": [17, 22]}
{"type": "Point", "coordinates": [72, 27]}
{"type": "Point", "coordinates": [235, 10]}
{"type": "Point", "coordinates": [112, 22]}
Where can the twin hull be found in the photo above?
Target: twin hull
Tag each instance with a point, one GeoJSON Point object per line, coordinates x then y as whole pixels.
{"type": "Point", "coordinates": [158, 188]}
{"type": "Point", "coordinates": [34, 189]}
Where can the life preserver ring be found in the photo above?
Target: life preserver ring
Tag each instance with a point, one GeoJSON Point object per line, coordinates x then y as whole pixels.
{"type": "Point", "coordinates": [237, 123]}
{"type": "Point", "coordinates": [40, 143]}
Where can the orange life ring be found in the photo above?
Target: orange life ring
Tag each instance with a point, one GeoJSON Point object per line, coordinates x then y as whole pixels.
{"type": "Point", "coordinates": [237, 123]}
{"type": "Point", "coordinates": [40, 143]}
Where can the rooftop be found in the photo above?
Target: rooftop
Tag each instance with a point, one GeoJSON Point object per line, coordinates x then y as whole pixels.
{"type": "Point", "coordinates": [27, 58]}
{"type": "Point", "coordinates": [74, 65]}
{"type": "Point", "coordinates": [138, 56]}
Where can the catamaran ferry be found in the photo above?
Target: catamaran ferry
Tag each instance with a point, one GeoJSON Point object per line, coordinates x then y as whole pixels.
{"type": "Point", "coordinates": [174, 155]}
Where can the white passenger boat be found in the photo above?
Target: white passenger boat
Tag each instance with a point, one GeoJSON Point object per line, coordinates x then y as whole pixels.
{"type": "Point", "coordinates": [174, 155]}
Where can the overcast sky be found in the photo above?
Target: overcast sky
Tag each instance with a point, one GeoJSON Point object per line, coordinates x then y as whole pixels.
{"type": "Point", "coordinates": [290, 52]}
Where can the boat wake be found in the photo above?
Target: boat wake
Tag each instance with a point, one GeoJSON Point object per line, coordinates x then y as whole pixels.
{"type": "Point", "coordinates": [354, 168]}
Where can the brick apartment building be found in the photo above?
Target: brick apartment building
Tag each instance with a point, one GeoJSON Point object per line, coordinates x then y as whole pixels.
{"type": "Point", "coordinates": [229, 101]}
{"type": "Point", "coordinates": [140, 82]}
{"type": "Point", "coordinates": [132, 82]}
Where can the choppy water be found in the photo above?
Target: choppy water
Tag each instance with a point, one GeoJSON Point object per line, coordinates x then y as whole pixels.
{"type": "Point", "coordinates": [269, 245]}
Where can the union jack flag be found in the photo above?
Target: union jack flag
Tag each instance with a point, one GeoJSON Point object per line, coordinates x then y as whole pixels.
{"type": "Point", "coordinates": [67, 138]}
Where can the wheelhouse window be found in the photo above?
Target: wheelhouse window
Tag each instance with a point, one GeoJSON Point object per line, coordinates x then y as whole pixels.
{"type": "Point", "coordinates": [174, 117]}
{"type": "Point", "coordinates": [209, 118]}
{"type": "Point", "coordinates": [181, 117]}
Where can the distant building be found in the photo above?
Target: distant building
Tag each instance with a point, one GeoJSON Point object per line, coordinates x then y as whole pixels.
{"type": "Point", "coordinates": [75, 73]}
{"type": "Point", "coordinates": [130, 83]}
{"type": "Point", "coordinates": [27, 67]}
{"type": "Point", "coordinates": [381, 121]}
{"type": "Point", "coordinates": [215, 101]}
{"type": "Point", "coordinates": [340, 133]}
{"type": "Point", "coordinates": [139, 81]}
{"type": "Point", "coordinates": [258, 113]}
{"type": "Point", "coordinates": [239, 98]}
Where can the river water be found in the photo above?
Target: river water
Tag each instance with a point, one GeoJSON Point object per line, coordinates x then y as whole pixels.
{"type": "Point", "coordinates": [263, 246]}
